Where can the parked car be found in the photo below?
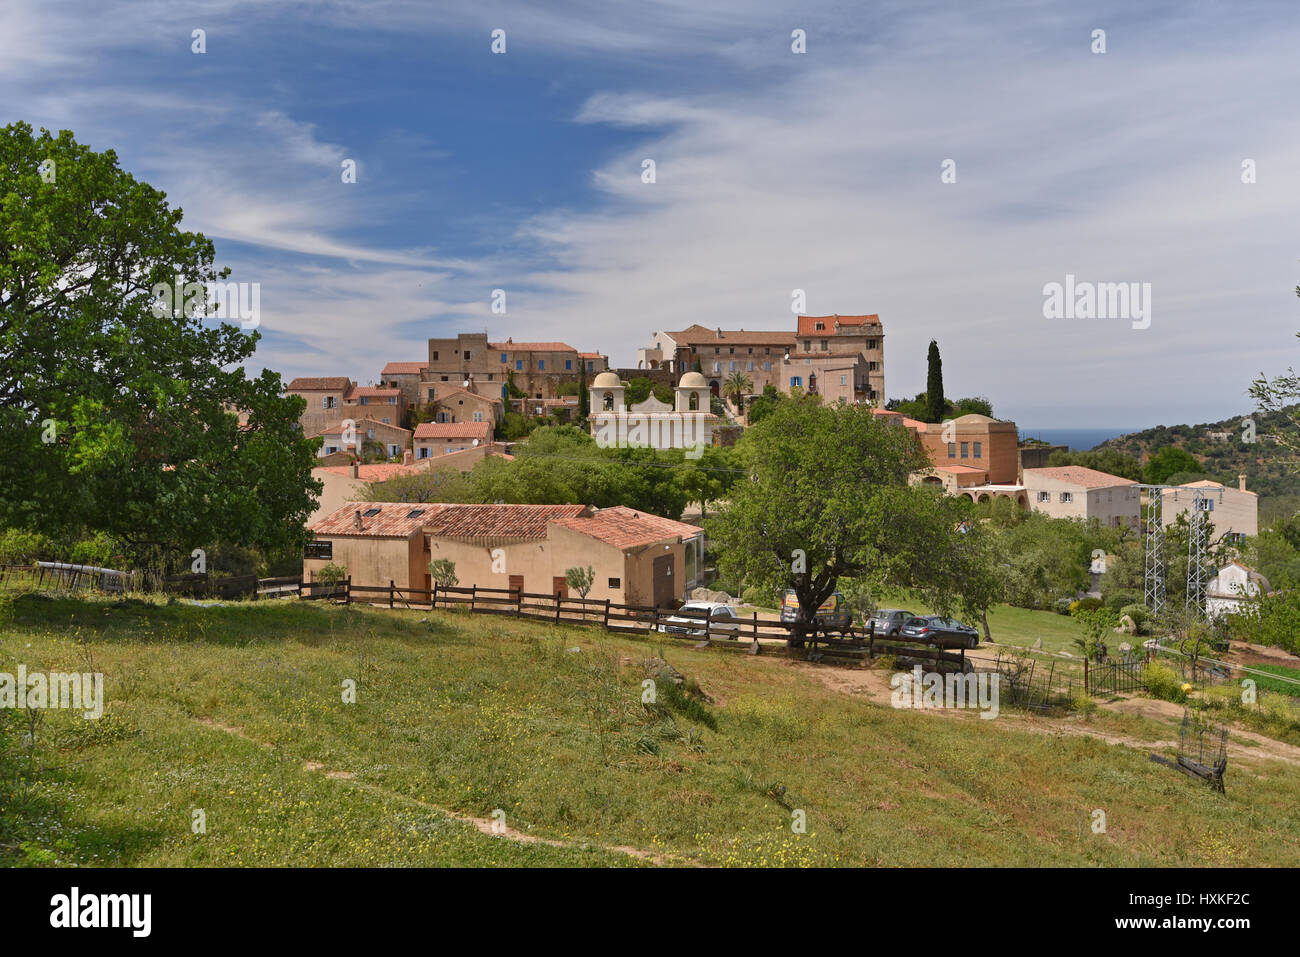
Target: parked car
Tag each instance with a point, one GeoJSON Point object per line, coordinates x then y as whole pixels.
{"type": "Point", "coordinates": [833, 615]}
{"type": "Point", "coordinates": [689, 619]}
{"type": "Point", "coordinates": [889, 621]}
{"type": "Point", "coordinates": [939, 632]}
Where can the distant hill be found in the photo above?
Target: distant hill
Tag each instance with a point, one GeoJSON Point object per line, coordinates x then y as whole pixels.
{"type": "Point", "coordinates": [1268, 467]}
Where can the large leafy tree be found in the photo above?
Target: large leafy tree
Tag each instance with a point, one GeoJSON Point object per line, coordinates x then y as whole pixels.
{"type": "Point", "coordinates": [115, 418]}
{"type": "Point", "coordinates": [828, 497]}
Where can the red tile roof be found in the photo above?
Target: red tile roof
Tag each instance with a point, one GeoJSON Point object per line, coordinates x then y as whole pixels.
{"type": "Point", "coordinates": [531, 347]}
{"type": "Point", "coordinates": [808, 324]}
{"type": "Point", "coordinates": [371, 392]}
{"type": "Point", "coordinates": [394, 520]}
{"type": "Point", "coordinates": [1206, 483]}
{"type": "Point", "coordinates": [335, 383]}
{"type": "Point", "coordinates": [337, 428]}
{"type": "Point", "coordinates": [590, 355]}
{"type": "Point", "coordinates": [698, 335]}
{"type": "Point", "coordinates": [1078, 475]}
{"type": "Point", "coordinates": [497, 523]}
{"type": "Point", "coordinates": [404, 368]}
{"type": "Point", "coordinates": [380, 472]}
{"type": "Point", "coordinates": [453, 430]}
{"type": "Point", "coordinates": [625, 527]}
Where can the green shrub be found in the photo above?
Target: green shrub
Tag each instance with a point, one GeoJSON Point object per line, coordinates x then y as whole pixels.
{"type": "Point", "coordinates": [1121, 600]}
{"type": "Point", "coordinates": [21, 547]}
{"type": "Point", "coordinates": [332, 574]}
{"type": "Point", "coordinates": [1062, 606]}
{"type": "Point", "coordinates": [1141, 616]}
{"type": "Point", "coordinates": [1164, 683]}
{"type": "Point", "coordinates": [1084, 604]}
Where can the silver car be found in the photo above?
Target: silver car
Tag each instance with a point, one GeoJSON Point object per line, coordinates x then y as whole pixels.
{"type": "Point", "coordinates": [720, 617]}
{"type": "Point", "coordinates": [889, 621]}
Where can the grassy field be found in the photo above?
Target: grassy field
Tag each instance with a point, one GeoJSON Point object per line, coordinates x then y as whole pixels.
{"type": "Point", "coordinates": [238, 711]}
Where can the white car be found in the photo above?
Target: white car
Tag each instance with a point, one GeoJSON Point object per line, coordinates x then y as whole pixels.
{"type": "Point", "coordinates": [689, 619]}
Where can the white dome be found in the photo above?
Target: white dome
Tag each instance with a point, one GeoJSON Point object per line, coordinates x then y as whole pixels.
{"type": "Point", "coordinates": [693, 380]}
{"type": "Point", "coordinates": [607, 380]}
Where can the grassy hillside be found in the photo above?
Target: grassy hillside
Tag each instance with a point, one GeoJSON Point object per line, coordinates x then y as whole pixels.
{"type": "Point", "coordinates": [237, 710]}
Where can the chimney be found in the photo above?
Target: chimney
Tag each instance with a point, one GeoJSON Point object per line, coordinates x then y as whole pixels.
{"type": "Point", "coordinates": [408, 457]}
{"type": "Point", "coordinates": [356, 520]}
{"type": "Point", "coordinates": [1241, 483]}
{"type": "Point", "coordinates": [719, 332]}
{"type": "Point", "coordinates": [353, 471]}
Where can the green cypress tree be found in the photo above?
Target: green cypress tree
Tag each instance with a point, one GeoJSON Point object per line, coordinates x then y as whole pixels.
{"type": "Point", "coordinates": [935, 403]}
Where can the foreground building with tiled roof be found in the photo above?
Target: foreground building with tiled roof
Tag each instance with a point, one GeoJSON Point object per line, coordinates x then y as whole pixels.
{"type": "Point", "coordinates": [637, 558]}
{"type": "Point", "coordinates": [1072, 491]}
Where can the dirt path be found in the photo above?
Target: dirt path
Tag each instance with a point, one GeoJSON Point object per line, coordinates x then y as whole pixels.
{"type": "Point", "coordinates": [874, 686]}
{"type": "Point", "coordinates": [484, 825]}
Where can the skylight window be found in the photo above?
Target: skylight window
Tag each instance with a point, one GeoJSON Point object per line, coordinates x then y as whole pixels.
{"type": "Point", "coordinates": [369, 512]}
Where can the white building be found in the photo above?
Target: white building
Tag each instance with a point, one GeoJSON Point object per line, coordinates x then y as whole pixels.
{"type": "Point", "coordinates": [1232, 587]}
{"type": "Point", "coordinates": [687, 424]}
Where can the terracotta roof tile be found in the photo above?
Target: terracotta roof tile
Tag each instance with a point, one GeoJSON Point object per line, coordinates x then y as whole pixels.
{"type": "Point", "coordinates": [698, 335]}
{"type": "Point", "coordinates": [625, 527]}
{"type": "Point", "coordinates": [404, 368]}
{"type": "Point", "coordinates": [1078, 475]}
{"type": "Point", "coordinates": [497, 522]}
{"type": "Point", "coordinates": [453, 430]}
{"type": "Point", "coordinates": [808, 324]}
{"type": "Point", "coordinates": [336, 383]}
{"type": "Point", "coordinates": [531, 347]}
{"type": "Point", "coordinates": [371, 392]}
{"type": "Point", "coordinates": [392, 520]}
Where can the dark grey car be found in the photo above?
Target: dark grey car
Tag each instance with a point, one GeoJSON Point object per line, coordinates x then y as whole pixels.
{"type": "Point", "coordinates": [940, 632]}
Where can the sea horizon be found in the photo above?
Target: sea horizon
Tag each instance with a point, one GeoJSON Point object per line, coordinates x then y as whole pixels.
{"type": "Point", "coordinates": [1078, 440]}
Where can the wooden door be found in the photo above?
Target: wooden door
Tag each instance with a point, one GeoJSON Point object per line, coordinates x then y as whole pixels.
{"type": "Point", "coordinates": [560, 586]}
{"type": "Point", "coordinates": [665, 588]}
{"type": "Point", "coordinates": [517, 583]}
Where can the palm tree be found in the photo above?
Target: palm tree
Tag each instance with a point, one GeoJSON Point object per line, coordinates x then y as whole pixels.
{"type": "Point", "coordinates": [736, 387]}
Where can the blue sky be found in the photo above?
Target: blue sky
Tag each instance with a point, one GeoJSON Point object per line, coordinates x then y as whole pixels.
{"type": "Point", "coordinates": [775, 171]}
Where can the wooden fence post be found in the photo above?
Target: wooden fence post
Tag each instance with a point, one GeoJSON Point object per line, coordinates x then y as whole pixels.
{"type": "Point", "coordinates": [654, 627]}
{"type": "Point", "coordinates": [391, 585]}
{"type": "Point", "coordinates": [519, 602]}
{"type": "Point", "coordinates": [557, 607]}
{"type": "Point", "coordinates": [473, 595]}
{"type": "Point", "coordinates": [606, 614]}
{"type": "Point", "coordinates": [347, 592]}
{"type": "Point", "coordinates": [1085, 674]}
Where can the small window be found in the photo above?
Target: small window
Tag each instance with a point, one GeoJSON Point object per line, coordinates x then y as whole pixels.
{"type": "Point", "coordinates": [503, 358]}
{"type": "Point", "coordinates": [541, 364]}
{"type": "Point", "coordinates": [467, 355]}
{"type": "Point", "coordinates": [1067, 498]}
{"type": "Point", "coordinates": [952, 450]}
{"type": "Point", "coordinates": [1044, 496]}
{"type": "Point", "coordinates": [965, 450]}
{"type": "Point", "coordinates": [435, 357]}
{"type": "Point", "coordinates": [796, 381]}
{"type": "Point", "coordinates": [568, 364]}
{"type": "Point", "coordinates": [415, 513]}
{"type": "Point", "coordinates": [616, 583]}
{"type": "Point", "coordinates": [979, 446]}
{"type": "Point", "coordinates": [369, 512]}
{"type": "Point", "coordinates": [478, 416]}
{"type": "Point", "coordinates": [519, 365]}
{"type": "Point", "coordinates": [844, 380]}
